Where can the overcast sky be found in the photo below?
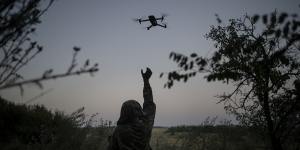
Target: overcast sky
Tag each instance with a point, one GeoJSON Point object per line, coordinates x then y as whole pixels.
{"type": "Point", "coordinates": [106, 33]}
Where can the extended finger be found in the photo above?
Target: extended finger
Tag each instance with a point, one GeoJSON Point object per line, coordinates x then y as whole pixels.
{"type": "Point", "coordinates": [148, 69]}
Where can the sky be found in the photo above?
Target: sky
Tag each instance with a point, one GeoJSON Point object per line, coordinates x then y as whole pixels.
{"type": "Point", "coordinates": [106, 33]}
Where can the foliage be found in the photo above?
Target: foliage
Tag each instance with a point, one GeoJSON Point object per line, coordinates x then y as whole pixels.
{"type": "Point", "coordinates": [259, 55]}
{"type": "Point", "coordinates": [35, 127]}
{"type": "Point", "coordinates": [18, 20]}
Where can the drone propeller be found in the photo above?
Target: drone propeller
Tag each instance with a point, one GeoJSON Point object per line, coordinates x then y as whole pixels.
{"type": "Point", "coordinates": [137, 20]}
{"type": "Point", "coordinates": [165, 25]}
{"type": "Point", "coordinates": [163, 16]}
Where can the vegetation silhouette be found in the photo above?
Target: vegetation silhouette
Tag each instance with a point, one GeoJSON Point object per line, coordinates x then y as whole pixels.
{"type": "Point", "coordinates": [36, 127]}
{"type": "Point", "coordinates": [259, 55]}
{"type": "Point", "coordinates": [18, 20]}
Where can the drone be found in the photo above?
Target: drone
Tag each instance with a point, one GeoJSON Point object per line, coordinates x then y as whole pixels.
{"type": "Point", "coordinates": [153, 21]}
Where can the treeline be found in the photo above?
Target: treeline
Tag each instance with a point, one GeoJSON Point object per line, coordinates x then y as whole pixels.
{"type": "Point", "coordinates": [210, 129]}
{"type": "Point", "coordinates": [36, 127]}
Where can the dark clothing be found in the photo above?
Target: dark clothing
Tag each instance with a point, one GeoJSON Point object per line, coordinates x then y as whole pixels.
{"type": "Point", "coordinates": [134, 134]}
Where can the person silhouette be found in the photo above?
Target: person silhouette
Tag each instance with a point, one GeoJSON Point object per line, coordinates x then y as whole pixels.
{"type": "Point", "coordinates": [134, 127]}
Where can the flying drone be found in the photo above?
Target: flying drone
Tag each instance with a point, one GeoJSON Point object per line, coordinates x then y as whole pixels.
{"type": "Point", "coordinates": [153, 20]}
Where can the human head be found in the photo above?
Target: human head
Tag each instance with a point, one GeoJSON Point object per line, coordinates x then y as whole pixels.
{"type": "Point", "coordinates": [131, 111]}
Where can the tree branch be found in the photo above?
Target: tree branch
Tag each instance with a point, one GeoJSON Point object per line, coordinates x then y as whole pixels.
{"type": "Point", "coordinates": [44, 78]}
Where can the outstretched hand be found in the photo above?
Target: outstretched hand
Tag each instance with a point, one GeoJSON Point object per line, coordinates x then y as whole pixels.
{"type": "Point", "coordinates": [147, 74]}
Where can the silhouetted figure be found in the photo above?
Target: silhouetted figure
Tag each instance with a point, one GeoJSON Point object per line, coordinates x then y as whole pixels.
{"type": "Point", "coordinates": [133, 131]}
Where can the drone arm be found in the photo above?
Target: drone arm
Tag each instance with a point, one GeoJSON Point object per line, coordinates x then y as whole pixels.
{"type": "Point", "coordinates": [144, 20]}
{"type": "Point", "coordinates": [161, 18]}
{"type": "Point", "coordinates": [149, 27]}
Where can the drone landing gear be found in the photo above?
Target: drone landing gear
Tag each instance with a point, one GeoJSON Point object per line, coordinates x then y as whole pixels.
{"type": "Point", "coordinates": [164, 25]}
{"type": "Point", "coordinates": [149, 27]}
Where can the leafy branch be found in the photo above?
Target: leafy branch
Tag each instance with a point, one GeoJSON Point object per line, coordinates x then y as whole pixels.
{"type": "Point", "coordinates": [47, 75]}
{"type": "Point", "coordinates": [18, 20]}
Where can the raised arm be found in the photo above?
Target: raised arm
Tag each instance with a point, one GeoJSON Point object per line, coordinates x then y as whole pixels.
{"type": "Point", "coordinates": [148, 106]}
{"type": "Point", "coordinates": [147, 91]}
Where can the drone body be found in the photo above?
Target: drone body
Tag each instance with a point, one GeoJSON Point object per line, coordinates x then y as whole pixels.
{"type": "Point", "coordinates": [153, 20]}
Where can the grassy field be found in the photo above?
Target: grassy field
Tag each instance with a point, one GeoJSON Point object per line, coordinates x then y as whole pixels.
{"type": "Point", "coordinates": [205, 138]}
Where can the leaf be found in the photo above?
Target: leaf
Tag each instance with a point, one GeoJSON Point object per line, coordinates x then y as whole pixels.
{"type": "Point", "coordinates": [294, 15]}
{"type": "Point", "coordinates": [295, 25]}
{"type": "Point", "coordinates": [270, 32]}
{"type": "Point", "coordinates": [40, 48]}
{"type": "Point", "coordinates": [193, 55]}
{"type": "Point", "coordinates": [186, 67]}
{"type": "Point", "coordinates": [171, 55]}
{"type": "Point", "coordinates": [181, 64]}
{"type": "Point", "coordinates": [76, 48]}
{"type": "Point", "coordinates": [282, 17]}
{"type": "Point", "coordinates": [272, 43]}
{"type": "Point", "coordinates": [191, 65]}
{"type": "Point", "coordinates": [169, 76]}
{"type": "Point", "coordinates": [217, 56]}
{"type": "Point", "coordinates": [273, 19]}
{"type": "Point", "coordinates": [284, 60]}
{"type": "Point", "coordinates": [203, 62]}
{"type": "Point", "coordinates": [265, 19]}
{"type": "Point", "coordinates": [39, 84]}
{"type": "Point", "coordinates": [255, 19]}
{"type": "Point", "coordinates": [87, 63]}
{"type": "Point", "coordinates": [286, 29]}
{"type": "Point", "coordinates": [219, 20]}
{"type": "Point", "coordinates": [184, 60]}
{"type": "Point", "coordinates": [32, 29]}
{"type": "Point", "coordinates": [170, 84]}
{"type": "Point", "coordinates": [296, 36]}
{"type": "Point", "coordinates": [178, 58]}
{"type": "Point", "coordinates": [14, 59]}
{"type": "Point", "coordinates": [175, 57]}
{"type": "Point", "coordinates": [47, 73]}
{"type": "Point", "coordinates": [185, 78]}
{"type": "Point", "coordinates": [17, 51]}
{"type": "Point", "coordinates": [33, 43]}
{"type": "Point", "coordinates": [161, 75]}
{"type": "Point", "coordinates": [278, 33]}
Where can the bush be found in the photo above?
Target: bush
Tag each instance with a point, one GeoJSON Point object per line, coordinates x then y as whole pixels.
{"type": "Point", "coordinates": [36, 127]}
